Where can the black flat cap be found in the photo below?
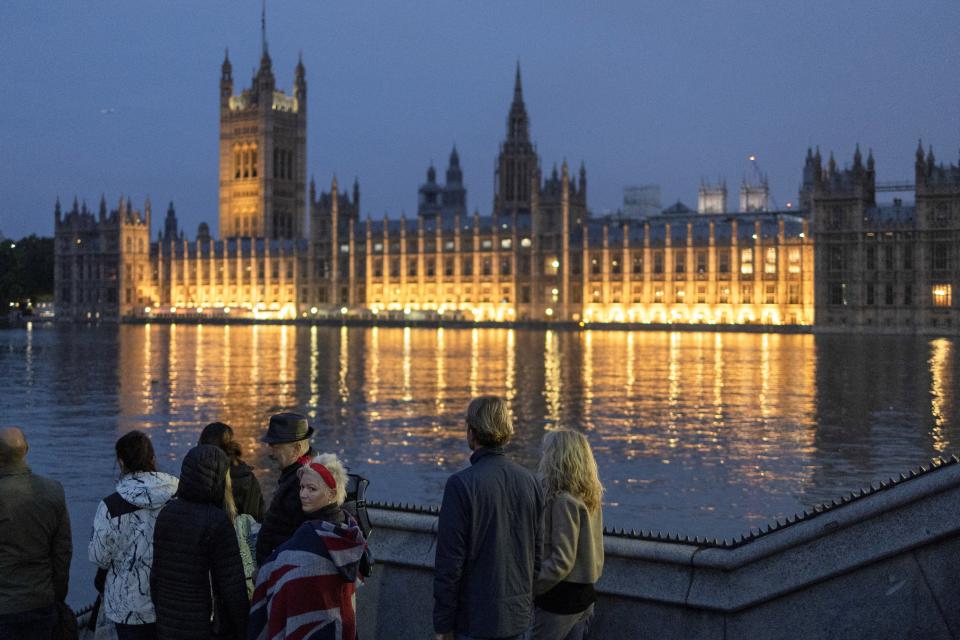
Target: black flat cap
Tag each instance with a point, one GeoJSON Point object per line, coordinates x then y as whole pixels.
{"type": "Point", "coordinates": [287, 427]}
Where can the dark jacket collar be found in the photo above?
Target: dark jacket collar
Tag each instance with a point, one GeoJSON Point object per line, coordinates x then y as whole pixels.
{"type": "Point", "coordinates": [330, 513]}
{"type": "Point", "coordinates": [14, 469]}
{"type": "Point", "coordinates": [292, 468]}
{"type": "Point", "coordinates": [483, 452]}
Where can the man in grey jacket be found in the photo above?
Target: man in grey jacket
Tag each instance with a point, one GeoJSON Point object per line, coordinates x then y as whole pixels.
{"type": "Point", "coordinates": [36, 549]}
{"type": "Point", "coordinates": [489, 536]}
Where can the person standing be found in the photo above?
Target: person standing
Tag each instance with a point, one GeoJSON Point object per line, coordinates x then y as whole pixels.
{"type": "Point", "coordinates": [246, 489]}
{"type": "Point", "coordinates": [573, 538]}
{"type": "Point", "coordinates": [122, 540]}
{"type": "Point", "coordinates": [307, 585]}
{"type": "Point", "coordinates": [36, 548]}
{"type": "Point", "coordinates": [198, 585]}
{"type": "Point", "coordinates": [489, 536]}
{"type": "Point", "coordinates": [288, 436]}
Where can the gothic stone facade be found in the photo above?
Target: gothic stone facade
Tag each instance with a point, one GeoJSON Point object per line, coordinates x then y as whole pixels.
{"type": "Point", "coordinates": [538, 254]}
{"type": "Point", "coordinates": [890, 268]}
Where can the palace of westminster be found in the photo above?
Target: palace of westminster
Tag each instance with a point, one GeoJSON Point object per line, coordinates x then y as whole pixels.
{"type": "Point", "coordinates": [839, 261]}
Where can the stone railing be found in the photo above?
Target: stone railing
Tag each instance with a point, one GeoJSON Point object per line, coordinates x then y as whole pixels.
{"type": "Point", "coordinates": [882, 563]}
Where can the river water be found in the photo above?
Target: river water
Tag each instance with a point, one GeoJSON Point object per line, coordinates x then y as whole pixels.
{"type": "Point", "coordinates": [707, 434]}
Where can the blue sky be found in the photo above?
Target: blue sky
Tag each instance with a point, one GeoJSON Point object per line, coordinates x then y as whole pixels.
{"type": "Point", "coordinates": [122, 97]}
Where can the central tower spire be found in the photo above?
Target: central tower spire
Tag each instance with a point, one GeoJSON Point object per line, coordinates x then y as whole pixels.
{"type": "Point", "coordinates": [263, 30]}
{"type": "Point", "coordinates": [518, 87]}
{"type": "Point", "coordinates": [517, 161]}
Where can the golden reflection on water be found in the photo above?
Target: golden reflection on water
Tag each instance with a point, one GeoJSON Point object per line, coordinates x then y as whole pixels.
{"type": "Point", "coordinates": [677, 420]}
{"type": "Point", "coordinates": [552, 379]}
{"type": "Point", "coordinates": [941, 390]}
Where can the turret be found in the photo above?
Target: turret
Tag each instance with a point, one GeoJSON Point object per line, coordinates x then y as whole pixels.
{"type": "Point", "coordinates": [56, 210]}
{"type": "Point", "coordinates": [429, 195]}
{"type": "Point", "coordinates": [103, 208]}
{"type": "Point", "coordinates": [920, 166]}
{"type": "Point", "coordinates": [454, 198]}
{"type": "Point", "coordinates": [454, 174]}
{"type": "Point", "coordinates": [518, 129]}
{"type": "Point", "coordinates": [170, 230]}
{"type": "Point", "coordinates": [264, 82]}
{"type": "Point", "coordinates": [226, 81]}
{"type": "Point", "coordinates": [356, 194]}
{"type": "Point", "coordinates": [300, 85]}
{"type": "Point", "coordinates": [583, 181]}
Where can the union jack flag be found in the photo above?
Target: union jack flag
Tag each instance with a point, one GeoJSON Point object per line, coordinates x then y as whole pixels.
{"type": "Point", "coordinates": [305, 590]}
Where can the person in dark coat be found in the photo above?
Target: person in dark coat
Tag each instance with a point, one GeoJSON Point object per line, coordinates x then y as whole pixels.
{"type": "Point", "coordinates": [246, 488]}
{"type": "Point", "coordinates": [288, 436]}
{"type": "Point", "coordinates": [35, 544]}
{"type": "Point", "coordinates": [489, 536]}
{"type": "Point", "coordinates": [196, 552]}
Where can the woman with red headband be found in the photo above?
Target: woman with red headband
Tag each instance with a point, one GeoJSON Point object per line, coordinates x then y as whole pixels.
{"type": "Point", "coordinates": [308, 583]}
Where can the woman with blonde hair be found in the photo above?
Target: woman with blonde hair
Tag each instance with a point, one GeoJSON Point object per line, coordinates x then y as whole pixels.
{"type": "Point", "coordinates": [572, 538]}
{"type": "Point", "coordinates": [306, 587]}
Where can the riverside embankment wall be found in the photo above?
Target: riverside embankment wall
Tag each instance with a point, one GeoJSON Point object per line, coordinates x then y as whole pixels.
{"type": "Point", "coordinates": [884, 563]}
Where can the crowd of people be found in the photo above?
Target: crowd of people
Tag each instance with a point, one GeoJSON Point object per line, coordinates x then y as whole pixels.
{"type": "Point", "coordinates": [198, 556]}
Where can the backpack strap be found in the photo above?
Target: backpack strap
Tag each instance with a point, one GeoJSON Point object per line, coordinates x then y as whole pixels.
{"type": "Point", "coordinates": [117, 506]}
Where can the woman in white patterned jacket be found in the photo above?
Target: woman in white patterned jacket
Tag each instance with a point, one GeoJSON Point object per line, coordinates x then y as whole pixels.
{"type": "Point", "coordinates": [122, 542]}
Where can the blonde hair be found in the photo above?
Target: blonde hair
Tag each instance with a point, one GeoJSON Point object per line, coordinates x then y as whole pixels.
{"type": "Point", "coordinates": [229, 505]}
{"type": "Point", "coordinates": [490, 421]}
{"type": "Point", "coordinates": [336, 469]}
{"type": "Point", "coordinates": [567, 464]}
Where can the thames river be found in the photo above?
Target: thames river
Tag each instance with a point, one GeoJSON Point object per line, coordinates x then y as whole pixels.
{"type": "Point", "coordinates": [707, 434]}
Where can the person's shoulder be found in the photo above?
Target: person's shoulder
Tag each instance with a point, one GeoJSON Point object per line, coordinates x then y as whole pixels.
{"type": "Point", "coordinates": [568, 501]}
{"type": "Point", "coordinates": [521, 471]}
{"type": "Point", "coordinates": [47, 486]}
{"type": "Point", "coordinates": [240, 470]}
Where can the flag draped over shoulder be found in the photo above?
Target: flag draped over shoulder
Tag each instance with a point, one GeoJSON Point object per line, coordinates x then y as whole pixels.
{"type": "Point", "coordinates": [304, 591]}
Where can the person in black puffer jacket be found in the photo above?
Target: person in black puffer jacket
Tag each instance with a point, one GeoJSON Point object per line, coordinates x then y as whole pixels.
{"type": "Point", "coordinates": [246, 488]}
{"type": "Point", "coordinates": [196, 552]}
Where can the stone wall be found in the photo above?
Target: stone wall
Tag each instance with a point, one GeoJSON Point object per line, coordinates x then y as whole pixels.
{"type": "Point", "coordinates": [879, 564]}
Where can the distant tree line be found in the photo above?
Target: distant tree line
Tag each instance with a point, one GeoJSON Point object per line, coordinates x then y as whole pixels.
{"type": "Point", "coordinates": [26, 271]}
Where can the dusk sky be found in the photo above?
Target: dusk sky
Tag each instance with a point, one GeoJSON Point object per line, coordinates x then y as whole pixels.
{"type": "Point", "coordinates": [122, 97]}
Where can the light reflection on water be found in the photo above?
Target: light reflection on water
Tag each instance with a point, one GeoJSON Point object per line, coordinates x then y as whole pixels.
{"type": "Point", "coordinates": [697, 433]}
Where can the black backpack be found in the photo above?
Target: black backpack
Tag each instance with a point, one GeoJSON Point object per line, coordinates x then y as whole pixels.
{"type": "Point", "coordinates": [356, 505]}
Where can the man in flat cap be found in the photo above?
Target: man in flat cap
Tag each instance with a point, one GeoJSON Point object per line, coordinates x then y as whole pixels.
{"type": "Point", "coordinates": [289, 439]}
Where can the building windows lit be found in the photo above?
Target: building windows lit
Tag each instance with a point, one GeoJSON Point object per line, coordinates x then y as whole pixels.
{"type": "Point", "coordinates": [746, 262]}
{"type": "Point", "coordinates": [770, 261]}
{"type": "Point", "coordinates": [793, 294]}
{"type": "Point", "coordinates": [793, 260]}
{"type": "Point", "coordinates": [942, 295]}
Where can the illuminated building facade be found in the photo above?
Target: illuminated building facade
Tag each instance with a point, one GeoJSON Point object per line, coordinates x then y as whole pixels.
{"type": "Point", "coordinates": [538, 256]}
{"type": "Point", "coordinates": [890, 268]}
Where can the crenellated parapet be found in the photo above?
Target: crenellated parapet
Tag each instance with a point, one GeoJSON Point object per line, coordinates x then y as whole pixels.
{"type": "Point", "coordinates": [935, 179]}
{"type": "Point", "coordinates": [855, 182]}
{"type": "Point", "coordinates": [101, 262]}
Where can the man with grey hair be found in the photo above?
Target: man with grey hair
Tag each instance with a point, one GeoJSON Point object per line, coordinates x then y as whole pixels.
{"type": "Point", "coordinates": [36, 549]}
{"type": "Point", "coordinates": [489, 536]}
{"type": "Point", "coordinates": [288, 436]}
